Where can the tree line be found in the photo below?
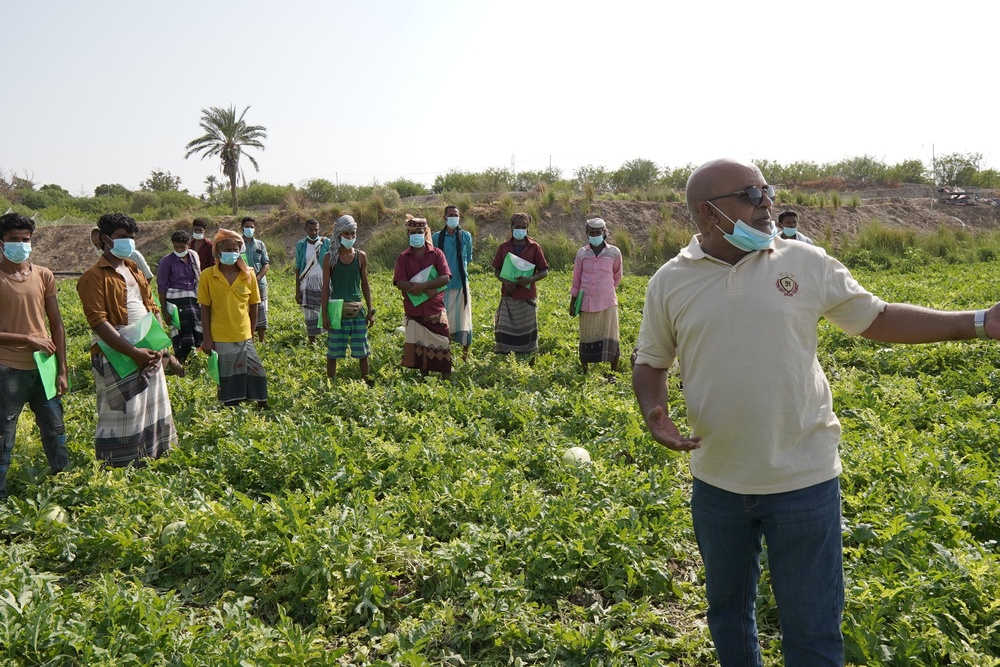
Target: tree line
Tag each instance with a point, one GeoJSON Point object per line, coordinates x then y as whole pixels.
{"type": "Point", "coordinates": [228, 137]}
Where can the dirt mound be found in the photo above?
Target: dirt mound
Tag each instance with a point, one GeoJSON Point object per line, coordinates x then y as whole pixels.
{"type": "Point", "coordinates": [66, 249]}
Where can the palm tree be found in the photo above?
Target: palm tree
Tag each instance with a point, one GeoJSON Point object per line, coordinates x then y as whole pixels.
{"type": "Point", "coordinates": [227, 137]}
{"type": "Point", "coordinates": [211, 182]}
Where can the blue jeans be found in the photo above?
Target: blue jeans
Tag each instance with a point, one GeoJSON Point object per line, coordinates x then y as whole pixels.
{"type": "Point", "coordinates": [805, 556]}
{"type": "Point", "coordinates": [18, 387]}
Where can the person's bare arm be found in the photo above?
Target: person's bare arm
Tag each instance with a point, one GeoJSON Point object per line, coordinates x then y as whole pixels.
{"type": "Point", "coordinates": [650, 387]}
{"type": "Point", "coordinates": [206, 327]}
{"type": "Point", "coordinates": [905, 323]}
{"type": "Point", "coordinates": [58, 331]}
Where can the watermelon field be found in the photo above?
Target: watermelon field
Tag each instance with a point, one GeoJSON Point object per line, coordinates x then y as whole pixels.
{"type": "Point", "coordinates": [434, 523]}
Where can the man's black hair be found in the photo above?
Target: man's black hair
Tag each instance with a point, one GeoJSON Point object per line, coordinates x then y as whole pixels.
{"type": "Point", "coordinates": [11, 221]}
{"type": "Point", "coordinates": [785, 214]}
{"type": "Point", "coordinates": [200, 222]}
{"type": "Point", "coordinates": [247, 218]}
{"type": "Point", "coordinates": [109, 222]}
{"type": "Point", "coordinates": [180, 236]}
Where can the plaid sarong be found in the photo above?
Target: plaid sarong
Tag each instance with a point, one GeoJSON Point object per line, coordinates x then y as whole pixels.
{"type": "Point", "coordinates": [353, 333]}
{"type": "Point", "coordinates": [515, 325]}
{"type": "Point", "coordinates": [241, 373]}
{"type": "Point", "coordinates": [312, 287]}
{"type": "Point", "coordinates": [459, 315]}
{"type": "Point", "coordinates": [188, 336]}
{"type": "Point", "coordinates": [134, 419]}
{"type": "Point", "coordinates": [428, 346]}
{"type": "Point", "coordinates": [599, 336]}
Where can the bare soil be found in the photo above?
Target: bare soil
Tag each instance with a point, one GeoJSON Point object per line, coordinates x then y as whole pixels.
{"type": "Point", "coordinates": [66, 249]}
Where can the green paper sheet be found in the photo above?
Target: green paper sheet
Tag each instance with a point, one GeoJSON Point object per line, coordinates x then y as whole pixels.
{"type": "Point", "coordinates": [577, 304]}
{"type": "Point", "coordinates": [150, 336]}
{"type": "Point", "coordinates": [175, 315]}
{"type": "Point", "coordinates": [428, 274]}
{"type": "Point", "coordinates": [514, 267]}
{"type": "Point", "coordinates": [48, 368]}
{"type": "Point", "coordinates": [335, 308]}
{"type": "Point", "coordinates": [213, 366]}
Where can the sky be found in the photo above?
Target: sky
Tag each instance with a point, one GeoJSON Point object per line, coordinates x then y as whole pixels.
{"type": "Point", "coordinates": [369, 91]}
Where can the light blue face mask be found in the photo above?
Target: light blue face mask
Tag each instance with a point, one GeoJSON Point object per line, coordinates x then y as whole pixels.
{"type": "Point", "coordinates": [789, 231]}
{"type": "Point", "coordinates": [596, 240]}
{"type": "Point", "coordinates": [746, 237]}
{"type": "Point", "coordinates": [248, 232]}
{"type": "Point", "coordinates": [417, 240]}
{"type": "Point", "coordinates": [229, 258]}
{"type": "Point", "coordinates": [347, 243]}
{"type": "Point", "coordinates": [123, 248]}
{"type": "Point", "coordinates": [519, 234]}
{"type": "Point", "coordinates": [452, 222]}
{"type": "Point", "coordinates": [17, 251]}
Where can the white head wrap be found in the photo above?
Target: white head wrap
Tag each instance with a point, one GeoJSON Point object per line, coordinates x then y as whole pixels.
{"type": "Point", "coordinates": [596, 223]}
{"type": "Point", "coordinates": [345, 223]}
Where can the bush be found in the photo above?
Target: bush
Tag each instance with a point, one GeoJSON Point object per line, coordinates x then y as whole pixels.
{"type": "Point", "coordinates": [143, 200]}
{"type": "Point", "coordinates": [263, 194]}
{"type": "Point", "coordinates": [407, 188]}
{"type": "Point", "coordinates": [320, 191]}
{"type": "Point", "coordinates": [635, 174]}
{"type": "Point", "coordinates": [559, 249]}
{"type": "Point", "coordinates": [383, 247]}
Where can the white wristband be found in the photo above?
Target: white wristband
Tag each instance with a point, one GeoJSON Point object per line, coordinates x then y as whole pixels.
{"type": "Point", "coordinates": [980, 323]}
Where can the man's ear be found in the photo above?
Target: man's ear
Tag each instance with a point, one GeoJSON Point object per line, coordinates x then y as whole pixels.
{"type": "Point", "coordinates": [707, 213]}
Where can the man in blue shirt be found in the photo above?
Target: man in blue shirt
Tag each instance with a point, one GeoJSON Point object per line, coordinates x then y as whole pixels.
{"type": "Point", "coordinates": [456, 243]}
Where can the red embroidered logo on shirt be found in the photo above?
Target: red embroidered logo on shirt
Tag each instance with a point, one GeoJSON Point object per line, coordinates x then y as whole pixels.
{"type": "Point", "coordinates": [786, 284]}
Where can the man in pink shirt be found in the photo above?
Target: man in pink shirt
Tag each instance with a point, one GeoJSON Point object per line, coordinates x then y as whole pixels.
{"type": "Point", "coordinates": [597, 271]}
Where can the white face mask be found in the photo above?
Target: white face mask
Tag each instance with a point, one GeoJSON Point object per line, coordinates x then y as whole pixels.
{"type": "Point", "coordinates": [182, 255]}
{"type": "Point", "coordinates": [198, 236]}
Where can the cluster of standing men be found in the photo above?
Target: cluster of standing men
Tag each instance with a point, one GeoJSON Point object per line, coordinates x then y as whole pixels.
{"type": "Point", "coordinates": [212, 296]}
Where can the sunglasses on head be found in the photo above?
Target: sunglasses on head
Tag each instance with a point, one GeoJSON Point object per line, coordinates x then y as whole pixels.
{"type": "Point", "coordinates": [753, 192]}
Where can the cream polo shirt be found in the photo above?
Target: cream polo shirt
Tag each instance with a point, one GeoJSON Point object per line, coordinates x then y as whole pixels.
{"type": "Point", "coordinates": [745, 337]}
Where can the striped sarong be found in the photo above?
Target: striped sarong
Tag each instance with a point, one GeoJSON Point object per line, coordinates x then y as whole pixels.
{"type": "Point", "coordinates": [188, 336]}
{"type": "Point", "coordinates": [134, 419]}
{"type": "Point", "coordinates": [353, 334]}
{"type": "Point", "coordinates": [599, 336]}
{"type": "Point", "coordinates": [515, 326]}
{"type": "Point", "coordinates": [241, 373]}
{"type": "Point", "coordinates": [428, 346]}
{"type": "Point", "coordinates": [459, 315]}
{"type": "Point", "coordinates": [312, 286]}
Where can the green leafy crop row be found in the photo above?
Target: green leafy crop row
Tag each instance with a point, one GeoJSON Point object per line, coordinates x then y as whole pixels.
{"type": "Point", "coordinates": [434, 523]}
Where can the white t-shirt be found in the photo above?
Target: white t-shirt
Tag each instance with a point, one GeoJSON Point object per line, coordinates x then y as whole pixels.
{"type": "Point", "coordinates": [133, 296]}
{"type": "Point", "coordinates": [746, 339]}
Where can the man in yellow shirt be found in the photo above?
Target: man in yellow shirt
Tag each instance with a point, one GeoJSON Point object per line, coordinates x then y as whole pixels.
{"type": "Point", "coordinates": [229, 297]}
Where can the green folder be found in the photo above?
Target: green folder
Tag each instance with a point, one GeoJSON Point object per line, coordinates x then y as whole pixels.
{"type": "Point", "coordinates": [428, 274]}
{"type": "Point", "coordinates": [213, 366]}
{"type": "Point", "coordinates": [175, 315]}
{"type": "Point", "coordinates": [577, 303]}
{"type": "Point", "coordinates": [150, 336]}
{"type": "Point", "coordinates": [335, 308]}
{"type": "Point", "coordinates": [48, 368]}
{"type": "Point", "coordinates": [514, 267]}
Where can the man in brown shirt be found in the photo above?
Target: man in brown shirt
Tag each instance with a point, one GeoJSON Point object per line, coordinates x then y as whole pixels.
{"type": "Point", "coordinates": [28, 294]}
{"type": "Point", "coordinates": [134, 419]}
